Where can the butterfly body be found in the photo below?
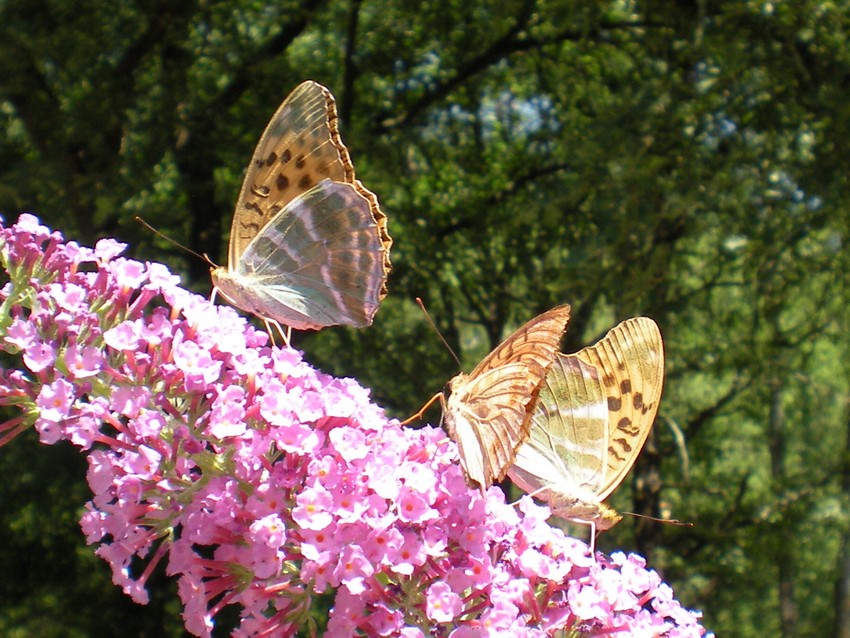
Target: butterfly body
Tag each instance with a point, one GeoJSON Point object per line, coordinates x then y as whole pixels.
{"type": "Point", "coordinates": [488, 412]}
{"type": "Point", "coordinates": [309, 246]}
{"type": "Point", "coordinates": [584, 510]}
{"type": "Point", "coordinates": [594, 412]}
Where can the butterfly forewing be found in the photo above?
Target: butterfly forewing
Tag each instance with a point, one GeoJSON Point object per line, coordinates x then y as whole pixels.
{"type": "Point", "coordinates": [630, 360]}
{"type": "Point", "coordinates": [300, 147]}
{"type": "Point", "coordinates": [292, 258]}
{"type": "Point", "coordinates": [488, 411]}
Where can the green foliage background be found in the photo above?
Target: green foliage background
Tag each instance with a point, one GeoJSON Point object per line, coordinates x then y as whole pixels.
{"type": "Point", "coordinates": [686, 161]}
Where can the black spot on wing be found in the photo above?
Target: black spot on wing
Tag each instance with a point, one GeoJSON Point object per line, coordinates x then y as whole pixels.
{"type": "Point", "coordinates": [637, 401]}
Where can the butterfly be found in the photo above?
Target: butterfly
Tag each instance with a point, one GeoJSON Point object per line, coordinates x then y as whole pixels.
{"type": "Point", "coordinates": [488, 412]}
{"type": "Point", "coordinates": [309, 246]}
{"type": "Point", "coordinates": [593, 414]}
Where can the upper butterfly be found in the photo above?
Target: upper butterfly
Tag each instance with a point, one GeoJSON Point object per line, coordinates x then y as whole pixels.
{"type": "Point", "coordinates": [488, 412]}
{"type": "Point", "coordinates": [309, 246]}
{"type": "Point", "coordinates": [594, 412]}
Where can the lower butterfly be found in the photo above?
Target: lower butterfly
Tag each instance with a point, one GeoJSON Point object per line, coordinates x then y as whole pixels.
{"type": "Point", "coordinates": [591, 420]}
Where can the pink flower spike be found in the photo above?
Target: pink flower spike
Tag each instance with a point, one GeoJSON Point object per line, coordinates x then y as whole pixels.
{"type": "Point", "coordinates": [262, 481]}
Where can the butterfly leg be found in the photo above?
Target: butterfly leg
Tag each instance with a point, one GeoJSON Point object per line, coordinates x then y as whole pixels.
{"type": "Point", "coordinates": [593, 539]}
{"type": "Point", "coordinates": [285, 335]}
{"type": "Point", "coordinates": [269, 330]}
{"type": "Point", "coordinates": [536, 492]}
{"type": "Point", "coordinates": [418, 416]}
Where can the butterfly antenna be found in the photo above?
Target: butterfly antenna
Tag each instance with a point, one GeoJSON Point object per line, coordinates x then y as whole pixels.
{"type": "Point", "coordinates": [173, 241]}
{"type": "Point", "coordinates": [439, 395]}
{"type": "Point", "coordinates": [669, 521]}
{"type": "Point", "coordinates": [439, 334]}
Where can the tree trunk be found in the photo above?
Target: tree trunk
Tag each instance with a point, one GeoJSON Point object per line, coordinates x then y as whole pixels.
{"type": "Point", "coordinates": [788, 613]}
{"type": "Point", "coordinates": [842, 584]}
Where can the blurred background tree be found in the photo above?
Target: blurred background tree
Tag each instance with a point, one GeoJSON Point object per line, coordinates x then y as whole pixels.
{"type": "Point", "coordinates": [687, 161]}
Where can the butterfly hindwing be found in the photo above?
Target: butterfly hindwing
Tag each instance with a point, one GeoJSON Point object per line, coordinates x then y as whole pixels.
{"type": "Point", "coordinates": [569, 431]}
{"type": "Point", "coordinates": [324, 235]}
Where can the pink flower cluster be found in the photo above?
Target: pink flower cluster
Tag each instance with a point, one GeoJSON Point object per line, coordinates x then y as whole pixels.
{"type": "Point", "coordinates": [260, 482]}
